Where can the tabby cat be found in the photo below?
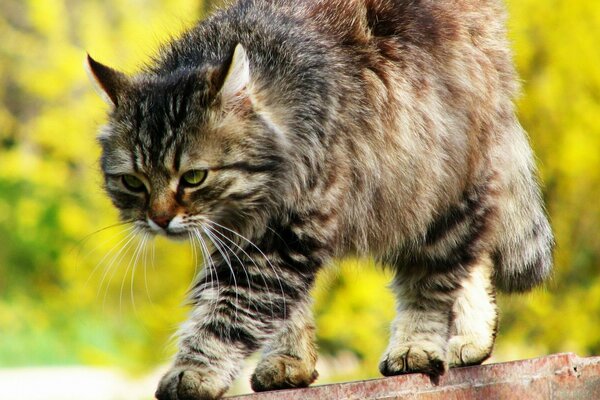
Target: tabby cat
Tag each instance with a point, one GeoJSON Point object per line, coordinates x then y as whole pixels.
{"type": "Point", "coordinates": [289, 133]}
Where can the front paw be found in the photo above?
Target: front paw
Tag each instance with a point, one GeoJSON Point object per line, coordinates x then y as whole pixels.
{"type": "Point", "coordinates": [411, 357]}
{"type": "Point", "coordinates": [282, 372]}
{"type": "Point", "coordinates": [188, 382]}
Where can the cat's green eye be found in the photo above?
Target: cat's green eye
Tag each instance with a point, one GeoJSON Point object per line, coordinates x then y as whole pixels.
{"type": "Point", "coordinates": [193, 178]}
{"type": "Point", "coordinates": [132, 183]}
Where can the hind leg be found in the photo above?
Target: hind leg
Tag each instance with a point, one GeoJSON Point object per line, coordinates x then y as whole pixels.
{"type": "Point", "coordinates": [421, 331]}
{"type": "Point", "coordinates": [475, 318]}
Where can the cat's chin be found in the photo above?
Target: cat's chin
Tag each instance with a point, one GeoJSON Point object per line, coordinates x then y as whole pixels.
{"type": "Point", "coordinates": [178, 236]}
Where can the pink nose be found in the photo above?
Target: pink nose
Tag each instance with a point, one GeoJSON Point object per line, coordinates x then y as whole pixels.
{"type": "Point", "coordinates": [162, 220]}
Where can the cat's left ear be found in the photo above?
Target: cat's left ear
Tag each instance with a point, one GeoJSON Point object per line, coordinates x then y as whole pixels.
{"type": "Point", "coordinates": [237, 80]}
{"type": "Point", "coordinates": [108, 82]}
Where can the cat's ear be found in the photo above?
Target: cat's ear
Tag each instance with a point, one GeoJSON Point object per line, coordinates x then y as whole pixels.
{"type": "Point", "coordinates": [236, 82]}
{"type": "Point", "coordinates": [108, 82]}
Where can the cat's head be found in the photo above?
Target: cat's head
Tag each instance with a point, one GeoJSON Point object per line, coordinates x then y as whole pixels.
{"type": "Point", "coordinates": [188, 149]}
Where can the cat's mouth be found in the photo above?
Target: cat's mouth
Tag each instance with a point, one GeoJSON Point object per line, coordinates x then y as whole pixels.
{"type": "Point", "coordinates": [174, 233]}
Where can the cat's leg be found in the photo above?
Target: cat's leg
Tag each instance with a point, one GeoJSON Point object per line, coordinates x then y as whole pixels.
{"type": "Point", "coordinates": [237, 312]}
{"type": "Point", "coordinates": [290, 356]}
{"type": "Point", "coordinates": [475, 318]}
{"type": "Point", "coordinates": [421, 330]}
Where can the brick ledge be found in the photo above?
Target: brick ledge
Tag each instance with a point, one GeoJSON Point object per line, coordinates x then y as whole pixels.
{"type": "Point", "coordinates": [559, 376]}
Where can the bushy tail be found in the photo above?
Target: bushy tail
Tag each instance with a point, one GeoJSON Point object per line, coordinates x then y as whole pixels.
{"type": "Point", "coordinates": [523, 258]}
{"type": "Point", "coordinates": [523, 243]}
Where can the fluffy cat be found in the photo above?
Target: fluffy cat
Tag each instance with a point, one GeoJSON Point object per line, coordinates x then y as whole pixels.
{"type": "Point", "coordinates": [289, 133]}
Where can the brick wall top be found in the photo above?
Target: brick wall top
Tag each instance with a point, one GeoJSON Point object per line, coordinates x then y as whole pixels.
{"type": "Point", "coordinates": [560, 376]}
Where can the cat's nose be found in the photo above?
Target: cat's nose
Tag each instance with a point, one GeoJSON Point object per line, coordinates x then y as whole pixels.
{"type": "Point", "coordinates": [162, 220]}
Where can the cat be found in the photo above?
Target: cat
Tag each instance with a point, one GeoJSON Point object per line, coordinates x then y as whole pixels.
{"type": "Point", "coordinates": [290, 133]}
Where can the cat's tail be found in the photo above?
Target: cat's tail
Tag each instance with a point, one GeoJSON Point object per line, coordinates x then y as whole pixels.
{"type": "Point", "coordinates": [523, 239]}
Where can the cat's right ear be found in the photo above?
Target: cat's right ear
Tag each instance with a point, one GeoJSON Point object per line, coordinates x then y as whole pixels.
{"type": "Point", "coordinates": [108, 82]}
{"type": "Point", "coordinates": [230, 82]}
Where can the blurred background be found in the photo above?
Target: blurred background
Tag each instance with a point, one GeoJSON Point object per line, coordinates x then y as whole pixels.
{"type": "Point", "coordinates": [84, 314]}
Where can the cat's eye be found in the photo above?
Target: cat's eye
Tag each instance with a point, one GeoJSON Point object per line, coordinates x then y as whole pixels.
{"type": "Point", "coordinates": [193, 178]}
{"type": "Point", "coordinates": [132, 183]}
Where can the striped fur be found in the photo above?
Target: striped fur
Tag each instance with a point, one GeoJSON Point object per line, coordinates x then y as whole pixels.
{"type": "Point", "coordinates": [381, 128]}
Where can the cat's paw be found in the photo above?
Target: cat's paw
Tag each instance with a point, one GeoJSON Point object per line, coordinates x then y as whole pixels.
{"type": "Point", "coordinates": [189, 383]}
{"type": "Point", "coordinates": [465, 350]}
{"type": "Point", "coordinates": [412, 357]}
{"type": "Point", "coordinates": [282, 372]}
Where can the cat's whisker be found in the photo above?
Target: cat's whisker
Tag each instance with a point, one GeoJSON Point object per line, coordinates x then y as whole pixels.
{"type": "Point", "coordinates": [194, 259]}
{"type": "Point", "coordinates": [261, 253]}
{"type": "Point", "coordinates": [146, 274]}
{"type": "Point", "coordinates": [214, 276]}
{"type": "Point", "coordinates": [141, 249]}
{"type": "Point", "coordinates": [196, 254]}
{"type": "Point", "coordinates": [126, 240]}
{"type": "Point", "coordinates": [208, 262]}
{"type": "Point", "coordinates": [214, 233]}
{"type": "Point", "coordinates": [116, 259]}
{"type": "Point", "coordinates": [228, 262]}
{"type": "Point", "coordinates": [129, 229]}
{"type": "Point", "coordinates": [153, 256]}
{"type": "Point", "coordinates": [131, 266]}
{"type": "Point", "coordinates": [269, 294]}
{"type": "Point", "coordinates": [81, 242]}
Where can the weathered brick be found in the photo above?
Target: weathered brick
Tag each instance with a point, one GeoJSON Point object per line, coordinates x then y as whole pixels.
{"type": "Point", "coordinates": [556, 377]}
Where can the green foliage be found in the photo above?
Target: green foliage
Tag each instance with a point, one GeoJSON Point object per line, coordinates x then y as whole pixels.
{"type": "Point", "coordinates": [66, 297]}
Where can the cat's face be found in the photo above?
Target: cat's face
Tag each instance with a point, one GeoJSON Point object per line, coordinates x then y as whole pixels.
{"type": "Point", "coordinates": [186, 153]}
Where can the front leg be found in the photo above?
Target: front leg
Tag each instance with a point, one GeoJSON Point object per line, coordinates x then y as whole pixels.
{"type": "Point", "coordinates": [240, 302]}
{"type": "Point", "coordinates": [213, 343]}
{"type": "Point", "coordinates": [289, 358]}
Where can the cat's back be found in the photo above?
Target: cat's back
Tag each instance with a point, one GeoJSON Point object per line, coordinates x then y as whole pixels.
{"type": "Point", "coordinates": [427, 23]}
{"type": "Point", "coordinates": [430, 24]}
{"type": "Point", "coordinates": [445, 30]}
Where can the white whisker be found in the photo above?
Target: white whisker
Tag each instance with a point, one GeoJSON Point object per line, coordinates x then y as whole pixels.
{"type": "Point", "coordinates": [146, 275]}
{"type": "Point", "coordinates": [115, 258]}
{"type": "Point", "coordinates": [208, 262]}
{"type": "Point", "coordinates": [130, 230]}
{"type": "Point", "coordinates": [81, 243]}
{"type": "Point", "coordinates": [131, 265]}
{"type": "Point", "coordinates": [141, 249]}
{"type": "Point", "coordinates": [213, 233]}
{"type": "Point", "coordinates": [196, 253]}
{"type": "Point", "coordinates": [228, 262]}
{"type": "Point", "coordinates": [269, 294]}
{"type": "Point", "coordinates": [262, 254]}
